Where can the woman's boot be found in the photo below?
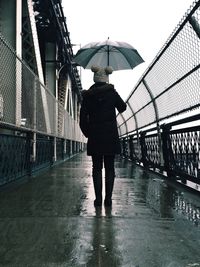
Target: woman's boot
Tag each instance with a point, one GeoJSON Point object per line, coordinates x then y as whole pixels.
{"type": "Point", "coordinates": [97, 181]}
{"type": "Point", "coordinates": [109, 183]}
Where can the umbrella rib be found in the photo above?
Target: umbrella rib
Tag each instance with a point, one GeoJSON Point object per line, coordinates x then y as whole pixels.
{"type": "Point", "coordinates": [118, 48]}
{"type": "Point", "coordinates": [136, 55]}
{"type": "Point", "coordinates": [92, 54]}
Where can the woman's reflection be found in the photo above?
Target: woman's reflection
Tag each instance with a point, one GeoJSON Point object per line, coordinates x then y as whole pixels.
{"type": "Point", "coordinates": [105, 251]}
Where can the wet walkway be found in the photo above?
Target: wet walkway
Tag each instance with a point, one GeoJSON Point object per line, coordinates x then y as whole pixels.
{"type": "Point", "coordinates": [51, 221]}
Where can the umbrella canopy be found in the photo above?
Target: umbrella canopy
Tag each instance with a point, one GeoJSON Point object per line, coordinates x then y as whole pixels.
{"type": "Point", "coordinates": [119, 55]}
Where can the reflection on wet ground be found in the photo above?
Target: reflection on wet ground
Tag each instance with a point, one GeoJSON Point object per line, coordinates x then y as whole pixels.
{"type": "Point", "coordinates": [51, 221]}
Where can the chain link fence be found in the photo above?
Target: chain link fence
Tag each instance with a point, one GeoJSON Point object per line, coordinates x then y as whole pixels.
{"type": "Point", "coordinates": [170, 86]}
{"type": "Point", "coordinates": [26, 103]}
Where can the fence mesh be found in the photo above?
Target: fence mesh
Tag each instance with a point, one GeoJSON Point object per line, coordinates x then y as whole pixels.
{"type": "Point", "coordinates": [172, 81]}
{"type": "Point", "coordinates": [25, 102]}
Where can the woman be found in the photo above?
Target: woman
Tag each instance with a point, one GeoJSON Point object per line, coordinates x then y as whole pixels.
{"type": "Point", "coordinates": [98, 123]}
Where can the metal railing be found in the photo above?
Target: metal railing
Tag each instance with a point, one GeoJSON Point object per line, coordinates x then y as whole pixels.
{"type": "Point", "coordinates": [151, 130]}
{"type": "Point", "coordinates": [16, 154]}
{"type": "Point", "coordinates": [26, 103]}
{"type": "Point", "coordinates": [179, 156]}
{"type": "Point", "coordinates": [31, 136]}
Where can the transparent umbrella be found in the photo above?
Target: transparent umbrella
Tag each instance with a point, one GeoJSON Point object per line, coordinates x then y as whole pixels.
{"type": "Point", "coordinates": [119, 55]}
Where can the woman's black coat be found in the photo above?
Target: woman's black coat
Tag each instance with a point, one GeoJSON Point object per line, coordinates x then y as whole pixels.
{"type": "Point", "coordinates": [98, 119]}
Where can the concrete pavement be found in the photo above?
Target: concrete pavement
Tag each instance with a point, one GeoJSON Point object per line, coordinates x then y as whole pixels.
{"type": "Point", "coordinates": [50, 221]}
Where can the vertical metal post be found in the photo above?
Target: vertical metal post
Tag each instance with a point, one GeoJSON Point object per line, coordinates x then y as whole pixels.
{"type": "Point", "coordinates": [34, 135]}
{"type": "Point", "coordinates": [64, 148]}
{"type": "Point", "coordinates": [29, 137]}
{"type": "Point", "coordinates": [34, 143]}
{"type": "Point", "coordinates": [143, 149]}
{"type": "Point", "coordinates": [165, 147]}
{"type": "Point", "coordinates": [54, 149]}
{"type": "Point", "coordinates": [136, 123]}
{"type": "Point", "coordinates": [157, 121]}
{"type": "Point", "coordinates": [18, 62]}
{"type": "Point", "coordinates": [72, 143]}
{"type": "Point", "coordinates": [79, 146]}
{"type": "Point", "coordinates": [167, 151]}
{"type": "Point", "coordinates": [124, 147]}
{"type": "Point", "coordinates": [131, 147]}
{"type": "Point", "coordinates": [70, 148]}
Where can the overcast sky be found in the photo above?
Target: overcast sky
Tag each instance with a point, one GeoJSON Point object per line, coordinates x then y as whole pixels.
{"type": "Point", "coordinates": [145, 24]}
